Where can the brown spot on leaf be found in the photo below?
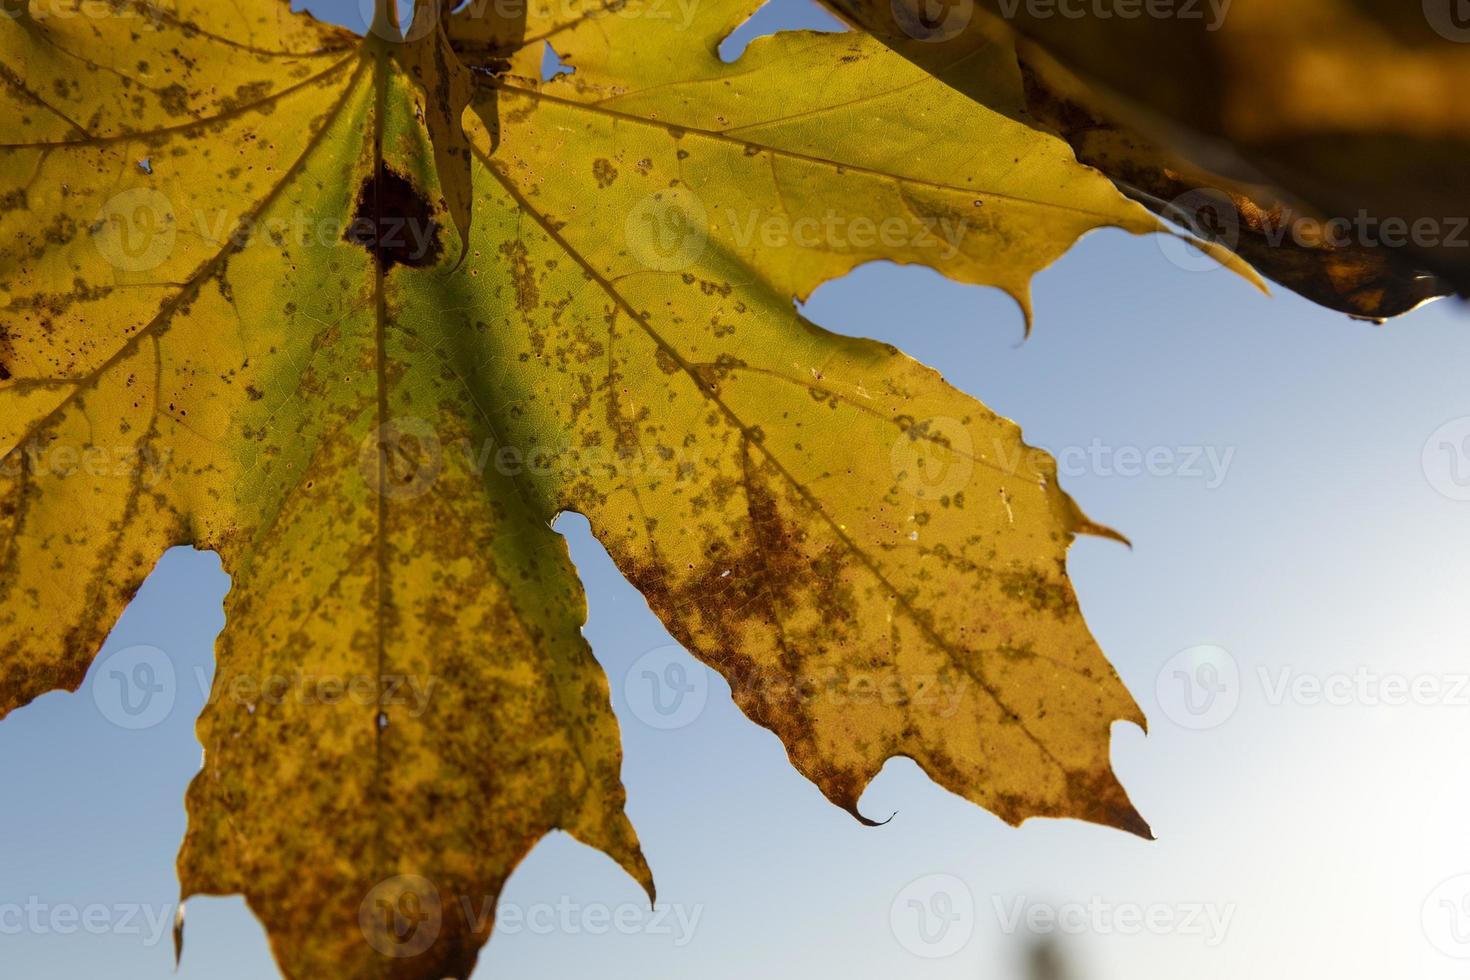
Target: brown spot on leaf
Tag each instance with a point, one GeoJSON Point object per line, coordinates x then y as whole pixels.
{"type": "Point", "coordinates": [517, 257]}
{"type": "Point", "coordinates": [394, 222]}
{"type": "Point", "coordinates": [174, 99]}
{"type": "Point", "coordinates": [1039, 591]}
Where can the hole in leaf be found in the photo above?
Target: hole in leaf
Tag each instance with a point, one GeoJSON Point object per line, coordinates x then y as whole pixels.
{"type": "Point", "coordinates": [552, 65]}
{"type": "Point", "coordinates": [775, 16]}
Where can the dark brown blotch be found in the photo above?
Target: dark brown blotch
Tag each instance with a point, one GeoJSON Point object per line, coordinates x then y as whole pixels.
{"type": "Point", "coordinates": [394, 222]}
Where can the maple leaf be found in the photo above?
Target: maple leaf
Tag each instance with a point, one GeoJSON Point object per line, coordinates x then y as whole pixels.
{"type": "Point", "coordinates": [267, 290]}
{"type": "Point", "coordinates": [1324, 140]}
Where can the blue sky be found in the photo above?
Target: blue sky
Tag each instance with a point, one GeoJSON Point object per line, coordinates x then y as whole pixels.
{"type": "Point", "coordinates": [1300, 553]}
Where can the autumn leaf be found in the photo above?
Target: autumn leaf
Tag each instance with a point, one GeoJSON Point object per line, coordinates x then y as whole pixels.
{"type": "Point", "coordinates": [268, 291]}
{"type": "Point", "coordinates": [1325, 140]}
{"type": "Point", "coordinates": [1277, 235]}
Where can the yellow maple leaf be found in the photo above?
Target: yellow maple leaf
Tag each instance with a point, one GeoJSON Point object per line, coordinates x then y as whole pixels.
{"type": "Point", "coordinates": [266, 290]}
